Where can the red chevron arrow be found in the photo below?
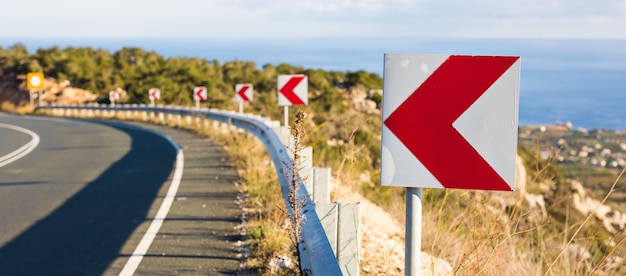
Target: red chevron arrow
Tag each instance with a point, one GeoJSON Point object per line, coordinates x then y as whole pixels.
{"type": "Point", "coordinates": [199, 93]}
{"type": "Point", "coordinates": [423, 122]}
{"type": "Point", "coordinates": [242, 93]}
{"type": "Point", "coordinates": [154, 94]}
{"type": "Point", "coordinates": [287, 90]}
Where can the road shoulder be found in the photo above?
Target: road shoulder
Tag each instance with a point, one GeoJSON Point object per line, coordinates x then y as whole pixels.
{"type": "Point", "coordinates": [199, 235]}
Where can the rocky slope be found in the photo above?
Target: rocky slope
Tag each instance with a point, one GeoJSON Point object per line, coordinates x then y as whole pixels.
{"type": "Point", "coordinates": [13, 89]}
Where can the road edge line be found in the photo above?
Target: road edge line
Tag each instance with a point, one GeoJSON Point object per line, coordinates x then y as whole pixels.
{"type": "Point", "coordinates": [142, 248]}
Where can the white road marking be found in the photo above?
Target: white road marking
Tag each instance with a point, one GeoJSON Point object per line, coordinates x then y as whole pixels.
{"type": "Point", "coordinates": [23, 150]}
{"type": "Point", "coordinates": [153, 230]}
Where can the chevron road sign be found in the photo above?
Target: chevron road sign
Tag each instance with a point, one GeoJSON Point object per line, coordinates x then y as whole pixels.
{"type": "Point", "coordinates": [154, 94]}
{"type": "Point", "coordinates": [243, 92]}
{"type": "Point", "coordinates": [114, 96]}
{"type": "Point", "coordinates": [450, 121]}
{"type": "Point", "coordinates": [292, 90]}
{"type": "Point", "coordinates": [199, 94]}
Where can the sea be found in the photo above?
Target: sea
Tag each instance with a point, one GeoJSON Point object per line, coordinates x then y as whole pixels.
{"type": "Point", "coordinates": [582, 81]}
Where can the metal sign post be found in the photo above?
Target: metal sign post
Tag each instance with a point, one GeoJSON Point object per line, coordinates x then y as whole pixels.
{"type": "Point", "coordinates": [413, 232]}
{"type": "Point", "coordinates": [286, 115]}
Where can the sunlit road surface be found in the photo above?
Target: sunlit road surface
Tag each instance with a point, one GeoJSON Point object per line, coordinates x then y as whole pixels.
{"type": "Point", "coordinates": [81, 201]}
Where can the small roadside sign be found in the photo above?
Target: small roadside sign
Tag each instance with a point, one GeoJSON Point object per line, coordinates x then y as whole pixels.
{"type": "Point", "coordinates": [114, 96]}
{"type": "Point", "coordinates": [34, 80]}
{"type": "Point", "coordinates": [199, 94]}
{"type": "Point", "coordinates": [154, 94]}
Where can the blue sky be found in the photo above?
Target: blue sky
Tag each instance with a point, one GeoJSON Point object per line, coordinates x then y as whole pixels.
{"type": "Point", "coordinates": [314, 18]}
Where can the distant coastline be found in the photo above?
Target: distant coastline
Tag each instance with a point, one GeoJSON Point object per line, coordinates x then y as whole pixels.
{"type": "Point", "coordinates": [580, 81]}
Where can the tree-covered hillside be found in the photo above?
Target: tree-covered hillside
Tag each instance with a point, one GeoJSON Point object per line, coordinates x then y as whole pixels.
{"type": "Point", "coordinates": [136, 71]}
{"type": "Point", "coordinates": [333, 119]}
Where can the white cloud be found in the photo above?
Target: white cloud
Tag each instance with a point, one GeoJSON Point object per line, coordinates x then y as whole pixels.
{"type": "Point", "coordinates": [288, 18]}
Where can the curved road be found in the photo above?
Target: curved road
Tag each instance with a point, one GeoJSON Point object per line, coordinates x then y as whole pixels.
{"type": "Point", "coordinates": [83, 199]}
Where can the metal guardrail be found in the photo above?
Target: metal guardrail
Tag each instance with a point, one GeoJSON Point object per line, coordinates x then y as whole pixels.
{"type": "Point", "coordinates": [316, 252]}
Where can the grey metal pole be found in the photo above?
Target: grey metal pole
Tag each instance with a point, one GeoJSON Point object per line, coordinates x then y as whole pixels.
{"type": "Point", "coordinates": [240, 107]}
{"type": "Point", "coordinates": [413, 234]}
{"type": "Point", "coordinates": [286, 115]}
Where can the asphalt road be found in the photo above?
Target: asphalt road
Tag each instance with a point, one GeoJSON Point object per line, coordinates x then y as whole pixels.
{"type": "Point", "coordinates": [82, 200]}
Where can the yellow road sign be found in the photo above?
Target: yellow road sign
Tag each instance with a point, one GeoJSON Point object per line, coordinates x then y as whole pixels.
{"type": "Point", "coordinates": [34, 80]}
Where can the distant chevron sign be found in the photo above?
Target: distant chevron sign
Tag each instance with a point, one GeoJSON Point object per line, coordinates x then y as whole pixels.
{"type": "Point", "coordinates": [292, 90]}
{"type": "Point", "coordinates": [154, 94]}
{"type": "Point", "coordinates": [450, 121]}
{"type": "Point", "coordinates": [244, 92]}
{"type": "Point", "coordinates": [199, 93]}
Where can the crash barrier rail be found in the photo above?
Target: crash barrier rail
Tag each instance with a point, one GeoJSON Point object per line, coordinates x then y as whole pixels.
{"type": "Point", "coordinates": [316, 253]}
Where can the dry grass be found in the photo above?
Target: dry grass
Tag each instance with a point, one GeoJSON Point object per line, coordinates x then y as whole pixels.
{"type": "Point", "coordinates": [480, 234]}
{"type": "Point", "coordinates": [21, 109]}
{"type": "Point", "coordinates": [268, 223]}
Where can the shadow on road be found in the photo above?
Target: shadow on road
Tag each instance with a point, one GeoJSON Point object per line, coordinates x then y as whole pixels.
{"type": "Point", "coordinates": [85, 234]}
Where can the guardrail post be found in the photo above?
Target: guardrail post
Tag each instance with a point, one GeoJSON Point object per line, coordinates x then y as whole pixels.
{"type": "Point", "coordinates": [306, 167]}
{"type": "Point", "coordinates": [329, 216]}
{"type": "Point", "coordinates": [321, 185]}
{"type": "Point", "coordinates": [144, 113]}
{"type": "Point", "coordinates": [161, 114]}
{"type": "Point", "coordinates": [348, 238]}
{"type": "Point", "coordinates": [135, 110]}
{"type": "Point", "coordinates": [284, 135]}
{"type": "Point", "coordinates": [341, 222]}
{"type": "Point", "coordinates": [342, 225]}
